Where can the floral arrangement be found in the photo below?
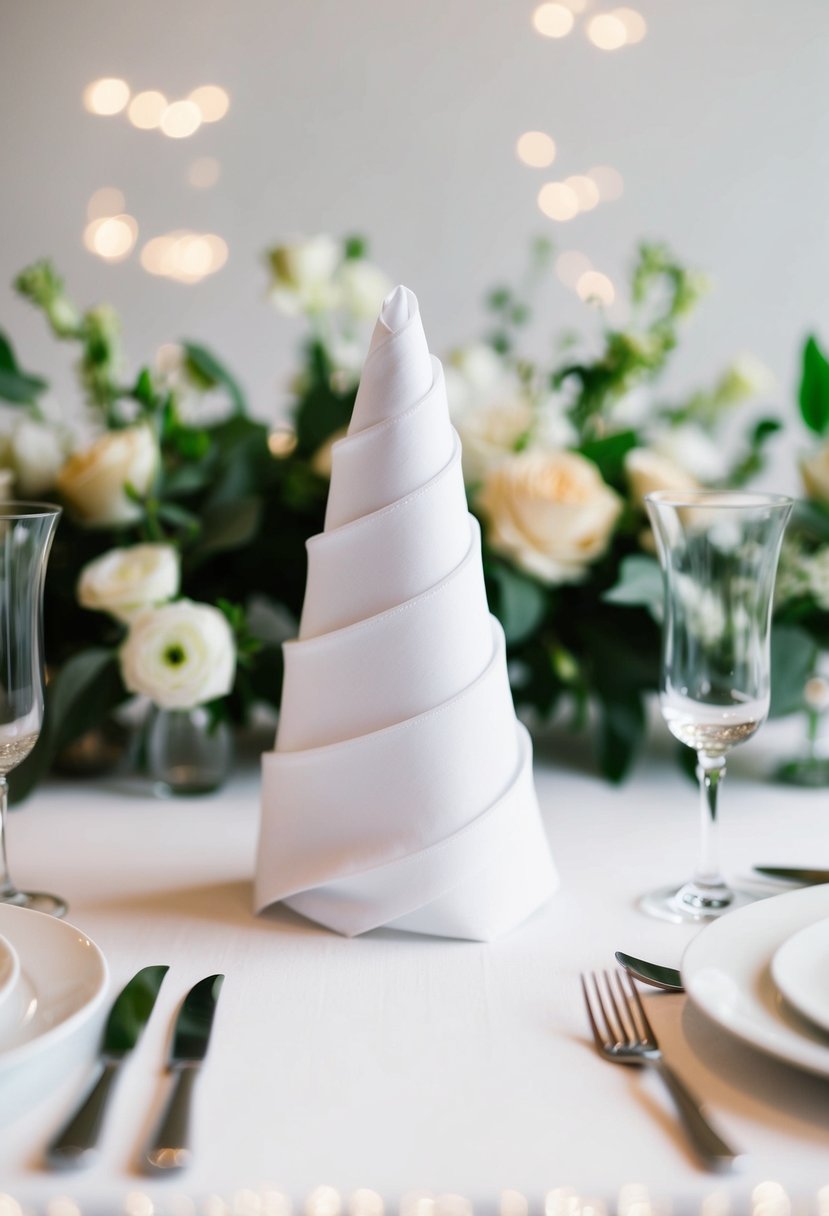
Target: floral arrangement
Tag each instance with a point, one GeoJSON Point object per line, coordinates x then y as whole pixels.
{"type": "Point", "coordinates": [179, 566]}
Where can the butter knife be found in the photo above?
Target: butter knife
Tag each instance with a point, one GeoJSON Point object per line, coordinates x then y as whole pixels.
{"type": "Point", "coordinates": [169, 1148]}
{"type": "Point", "coordinates": [801, 874]}
{"type": "Point", "coordinates": [75, 1145]}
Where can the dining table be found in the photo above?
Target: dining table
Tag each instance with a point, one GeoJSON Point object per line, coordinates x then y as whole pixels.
{"type": "Point", "coordinates": [395, 1072]}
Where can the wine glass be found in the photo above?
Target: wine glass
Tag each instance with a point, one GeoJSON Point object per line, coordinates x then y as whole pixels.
{"type": "Point", "coordinates": [26, 531]}
{"type": "Point", "coordinates": [718, 551]}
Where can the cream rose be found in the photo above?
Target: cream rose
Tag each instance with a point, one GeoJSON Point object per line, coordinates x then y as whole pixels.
{"type": "Point", "coordinates": [179, 655]}
{"type": "Point", "coordinates": [303, 275]}
{"type": "Point", "coordinates": [36, 453]}
{"type": "Point", "coordinates": [490, 433]}
{"type": "Point", "coordinates": [124, 581]}
{"type": "Point", "coordinates": [93, 481]}
{"type": "Point", "coordinates": [648, 471]}
{"type": "Point", "coordinates": [549, 512]}
{"type": "Point", "coordinates": [363, 286]}
{"type": "Point", "coordinates": [814, 471]}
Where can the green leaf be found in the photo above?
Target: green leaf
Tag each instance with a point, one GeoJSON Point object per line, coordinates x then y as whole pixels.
{"type": "Point", "coordinates": [207, 370]}
{"type": "Point", "coordinates": [621, 731]}
{"type": "Point", "coordinates": [16, 386]}
{"type": "Point", "coordinates": [354, 248]}
{"type": "Point", "coordinates": [609, 453]}
{"type": "Point", "coordinates": [793, 657]}
{"type": "Point", "coordinates": [228, 525]}
{"type": "Point", "coordinates": [143, 390]}
{"type": "Point", "coordinates": [520, 602]}
{"type": "Point", "coordinates": [85, 690]}
{"type": "Point", "coordinates": [814, 387]}
{"type": "Point", "coordinates": [639, 585]}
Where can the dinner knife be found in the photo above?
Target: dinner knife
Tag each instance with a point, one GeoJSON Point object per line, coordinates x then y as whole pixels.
{"type": "Point", "coordinates": [801, 874]}
{"type": "Point", "coordinates": [75, 1145]}
{"type": "Point", "coordinates": [169, 1148]}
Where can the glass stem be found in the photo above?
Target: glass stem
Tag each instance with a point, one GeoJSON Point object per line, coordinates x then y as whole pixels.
{"type": "Point", "coordinates": [711, 773]}
{"type": "Point", "coordinates": [7, 887]}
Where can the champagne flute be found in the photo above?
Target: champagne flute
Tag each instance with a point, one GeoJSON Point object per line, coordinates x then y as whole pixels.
{"type": "Point", "coordinates": [26, 532]}
{"type": "Point", "coordinates": [718, 551]}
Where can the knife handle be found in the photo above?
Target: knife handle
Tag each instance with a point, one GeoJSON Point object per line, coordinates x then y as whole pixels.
{"type": "Point", "coordinates": [169, 1148]}
{"type": "Point", "coordinates": [75, 1145]}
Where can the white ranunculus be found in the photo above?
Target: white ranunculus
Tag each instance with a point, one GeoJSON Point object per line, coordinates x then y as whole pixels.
{"type": "Point", "coordinates": [746, 377]}
{"type": "Point", "coordinates": [304, 275]}
{"type": "Point", "coordinates": [694, 450]}
{"type": "Point", "coordinates": [123, 581]}
{"type": "Point", "coordinates": [179, 655]}
{"type": "Point", "coordinates": [648, 471]}
{"type": "Point", "coordinates": [37, 453]}
{"type": "Point", "coordinates": [363, 286]}
{"type": "Point", "coordinates": [815, 473]}
{"type": "Point", "coordinates": [549, 512]}
{"type": "Point", "coordinates": [490, 433]}
{"type": "Point", "coordinates": [93, 481]}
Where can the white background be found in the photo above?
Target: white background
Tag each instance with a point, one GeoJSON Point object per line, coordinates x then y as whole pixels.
{"type": "Point", "coordinates": [399, 120]}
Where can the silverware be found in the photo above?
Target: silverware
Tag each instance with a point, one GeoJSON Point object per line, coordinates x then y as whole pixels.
{"type": "Point", "coordinates": [667, 978]}
{"type": "Point", "coordinates": [75, 1145]}
{"type": "Point", "coordinates": [623, 1034]}
{"type": "Point", "coordinates": [800, 874]}
{"type": "Point", "coordinates": [169, 1148]}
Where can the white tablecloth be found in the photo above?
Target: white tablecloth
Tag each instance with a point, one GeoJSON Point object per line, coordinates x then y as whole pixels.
{"type": "Point", "coordinates": [406, 1064]}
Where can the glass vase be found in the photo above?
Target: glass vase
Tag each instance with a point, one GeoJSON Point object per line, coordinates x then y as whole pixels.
{"type": "Point", "coordinates": [189, 751]}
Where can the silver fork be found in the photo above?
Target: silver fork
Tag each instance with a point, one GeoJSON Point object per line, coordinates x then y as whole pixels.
{"type": "Point", "coordinates": [624, 1035]}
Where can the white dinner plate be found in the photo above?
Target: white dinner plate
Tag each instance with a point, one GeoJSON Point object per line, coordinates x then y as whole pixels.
{"type": "Point", "coordinates": [9, 968]}
{"type": "Point", "coordinates": [61, 982]}
{"type": "Point", "coordinates": [800, 969]}
{"type": "Point", "coordinates": [727, 972]}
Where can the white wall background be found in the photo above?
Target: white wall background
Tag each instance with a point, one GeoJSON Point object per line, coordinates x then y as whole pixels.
{"type": "Point", "coordinates": [399, 120]}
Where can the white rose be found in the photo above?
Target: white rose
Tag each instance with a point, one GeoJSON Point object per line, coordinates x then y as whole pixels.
{"type": "Point", "coordinates": [648, 471]}
{"type": "Point", "coordinates": [123, 581]}
{"type": "Point", "coordinates": [549, 512]}
{"type": "Point", "coordinates": [694, 450]}
{"type": "Point", "coordinates": [490, 433]}
{"type": "Point", "coordinates": [815, 473]}
{"type": "Point", "coordinates": [179, 655]}
{"type": "Point", "coordinates": [303, 275]}
{"type": "Point", "coordinates": [92, 481]}
{"type": "Point", "coordinates": [363, 286]}
{"type": "Point", "coordinates": [36, 453]}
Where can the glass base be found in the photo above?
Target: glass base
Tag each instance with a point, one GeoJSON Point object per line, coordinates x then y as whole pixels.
{"type": "Point", "coordinates": [37, 901]}
{"type": "Point", "coordinates": [685, 904]}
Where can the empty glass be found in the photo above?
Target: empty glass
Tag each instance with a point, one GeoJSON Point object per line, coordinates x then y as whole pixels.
{"type": "Point", "coordinates": [718, 551]}
{"type": "Point", "coordinates": [26, 531]}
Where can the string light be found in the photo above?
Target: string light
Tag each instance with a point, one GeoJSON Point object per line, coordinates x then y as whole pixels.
{"type": "Point", "coordinates": [557, 201]}
{"type": "Point", "coordinates": [536, 149]}
{"type": "Point", "coordinates": [593, 287]}
{"type": "Point", "coordinates": [607, 32]}
{"type": "Point", "coordinates": [112, 237]}
{"type": "Point", "coordinates": [106, 96]}
{"type": "Point", "coordinates": [585, 190]}
{"type": "Point", "coordinates": [187, 257]}
{"type": "Point", "coordinates": [608, 181]}
{"type": "Point", "coordinates": [109, 200]}
{"type": "Point", "coordinates": [634, 24]}
{"type": "Point", "coordinates": [553, 20]}
{"type": "Point", "coordinates": [212, 101]}
{"type": "Point", "coordinates": [180, 119]}
{"type": "Point", "coordinates": [147, 109]}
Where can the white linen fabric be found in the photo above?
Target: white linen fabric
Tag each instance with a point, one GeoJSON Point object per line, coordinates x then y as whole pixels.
{"type": "Point", "coordinates": [400, 790]}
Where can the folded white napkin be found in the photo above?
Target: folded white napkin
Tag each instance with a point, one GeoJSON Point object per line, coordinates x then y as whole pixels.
{"type": "Point", "coordinates": [400, 791]}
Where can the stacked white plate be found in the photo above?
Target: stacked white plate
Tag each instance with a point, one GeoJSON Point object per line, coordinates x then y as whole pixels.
{"type": "Point", "coordinates": [762, 973]}
{"type": "Point", "coordinates": [52, 981]}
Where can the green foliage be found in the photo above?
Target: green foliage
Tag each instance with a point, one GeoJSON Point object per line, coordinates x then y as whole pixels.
{"type": "Point", "coordinates": [639, 584]}
{"type": "Point", "coordinates": [793, 659]}
{"type": "Point", "coordinates": [208, 373]}
{"type": "Point", "coordinates": [518, 601]}
{"type": "Point", "coordinates": [813, 396]}
{"type": "Point", "coordinates": [16, 386]}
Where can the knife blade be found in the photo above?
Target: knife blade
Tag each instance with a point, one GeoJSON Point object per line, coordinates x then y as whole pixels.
{"type": "Point", "coordinates": [801, 874]}
{"type": "Point", "coordinates": [75, 1145]}
{"type": "Point", "coordinates": [169, 1148]}
{"type": "Point", "coordinates": [667, 978]}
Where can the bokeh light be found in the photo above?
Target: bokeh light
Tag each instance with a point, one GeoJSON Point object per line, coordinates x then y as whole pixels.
{"type": "Point", "coordinates": [557, 201]}
{"type": "Point", "coordinates": [109, 200]}
{"type": "Point", "coordinates": [585, 190]}
{"type": "Point", "coordinates": [571, 265]}
{"type": "Point", "coordinates": [204, 172]}
{"type": "Point", "coordinates": [553, 20]}
{"type": "Point", "coordinates": [146, 109]}
{"type": "Point", "coordinates": [608, 181]}
{"type": "Point", "coordinates": [181, 119]}
{"type": "Point", "coordinates": [187, 257]}
{"type": "Point", "coordinates": [634, 23]}
{"type": "Point", "coordinates": [112, 237]}
{"type": "Point", "coordinates": [593, 287]}
{"type": "Point", "coordinates": [606, 31]}
{"type": "Point", "coordinates": [536, 149]}
{"type": "Point", "coordinates": [106, 96]}
{"type": "Point", "coordinates": [212, 101]}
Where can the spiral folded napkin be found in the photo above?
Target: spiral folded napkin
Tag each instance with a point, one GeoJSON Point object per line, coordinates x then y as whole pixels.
{"type": "Point", "coordinates": [400, 792]}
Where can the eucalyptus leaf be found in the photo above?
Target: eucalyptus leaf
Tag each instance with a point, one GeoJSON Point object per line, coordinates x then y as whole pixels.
{"type": "Point", "coordinates": [620, 732]}
{"type": "Point", "coordinates": [639, 585]}
{"type": "Point", "coordinates": [228, 525]}
{"type": "Point", "coordinates": [793, 658]}
{"type": "Point", "coordinates": [520, 602]}
{"type": "Point", "coordinates": [209, 371]}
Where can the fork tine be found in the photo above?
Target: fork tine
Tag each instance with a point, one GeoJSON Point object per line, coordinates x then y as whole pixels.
{"type": "Point", "coordinates": [594, 1026]}
{"type": "Point", "coordinates": [625, 986]}
{"type": "Point", "coordinates": [649, 1031]}
{"type": "Point", "coordinates": [626, 1034]}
